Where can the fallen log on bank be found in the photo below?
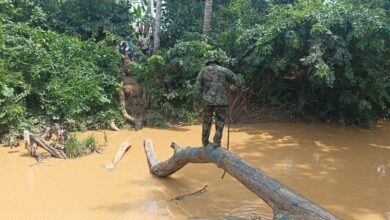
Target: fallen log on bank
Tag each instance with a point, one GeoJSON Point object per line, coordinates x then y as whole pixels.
{"type": "Point", "coordinates": [285, 203]}
{"type": "Point", "coordinates": [31, 139]}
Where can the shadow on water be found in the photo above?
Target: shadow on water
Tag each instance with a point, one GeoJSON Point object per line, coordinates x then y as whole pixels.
{"type": "Point", "coordinates": [344, 169]}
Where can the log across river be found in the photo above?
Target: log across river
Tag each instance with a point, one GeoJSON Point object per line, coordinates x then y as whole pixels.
{"type": "Point", "coordinates": [345, 170]}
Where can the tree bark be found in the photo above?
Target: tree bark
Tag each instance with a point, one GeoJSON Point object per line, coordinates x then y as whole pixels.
{"type": "Point", "coordinates": [31, 138]}
{"type": "Point", "coordinates": [157, 27]}
{"type": "Point", "coordinates": [123, 107]}
{"type": "Point", "coordinates": [113, 125]}
{"type": "Point", "coordinates": [285, 203]}
{"type": "Point", "coordinates": [208, 10]}
{"type": "Point", "coordinates": [122, 101]}
{"type": "Point", "coordinates": [125, 146]}
{"type": "Point", "coordinates": [151, 8]}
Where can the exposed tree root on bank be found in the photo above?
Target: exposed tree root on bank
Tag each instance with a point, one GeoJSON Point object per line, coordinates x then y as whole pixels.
{"type": "Point", "coordinates": [285, 203]}
{"type": "Point", "coordinates": [113, 125]}
{"type": "Point", "coordinates": [133, 90]}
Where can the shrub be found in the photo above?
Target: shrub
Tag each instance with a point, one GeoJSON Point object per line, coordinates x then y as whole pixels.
{"type": "Point", "coordinates": [323, 61]}
{"type": "Point", "coordinates": [55, 76]}
{"type": "Point", "coordinates": [75, 148]}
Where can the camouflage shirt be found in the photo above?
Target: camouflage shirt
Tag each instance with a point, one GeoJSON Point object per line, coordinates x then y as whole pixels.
{"type": "Point", "coordinates": [210, 86]}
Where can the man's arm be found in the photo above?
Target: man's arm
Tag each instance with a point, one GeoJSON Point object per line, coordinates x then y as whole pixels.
{"type": "Point", "coordinates": [232, 78]}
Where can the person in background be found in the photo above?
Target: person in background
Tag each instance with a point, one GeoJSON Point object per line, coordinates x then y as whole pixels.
{"type": "Point", "coordinates": [130, 51]}
{"type": "Point", "coordinates": [124, 51]}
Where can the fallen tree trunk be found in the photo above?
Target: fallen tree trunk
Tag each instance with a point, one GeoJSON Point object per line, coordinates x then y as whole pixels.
{"type": "Point", "coordinates": [33, 138]}
{"type": "Point", "coordinates": [285, 203]}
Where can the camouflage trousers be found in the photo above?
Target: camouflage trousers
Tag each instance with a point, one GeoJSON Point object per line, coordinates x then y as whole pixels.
{"type": "Point", "coordinates": [220, 115]}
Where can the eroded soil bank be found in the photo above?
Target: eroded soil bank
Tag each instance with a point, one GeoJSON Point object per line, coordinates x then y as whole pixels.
{"type": "Point", "coordinates": [346, 170]}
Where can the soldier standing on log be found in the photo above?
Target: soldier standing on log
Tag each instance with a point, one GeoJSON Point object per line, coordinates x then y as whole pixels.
{"type": "Point", "coordinates": [211, 92]}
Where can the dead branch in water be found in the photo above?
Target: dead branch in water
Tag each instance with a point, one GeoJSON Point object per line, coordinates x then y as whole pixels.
{"type": "Point", "coordinates": [197, 193]}
{"type": "Point", "coordinates": [285, 203]}
{"type": "Point", "coordinates": [118, 156]}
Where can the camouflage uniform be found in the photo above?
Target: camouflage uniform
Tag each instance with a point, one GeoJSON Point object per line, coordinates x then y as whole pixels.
{"type": "Point", "coordinates": [211, 92]}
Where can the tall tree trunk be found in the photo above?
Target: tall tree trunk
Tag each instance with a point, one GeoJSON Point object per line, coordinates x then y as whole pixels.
{"type": "Point", "coordinates": [157, 27]}
{"type": "Point", "coordinates": [151, 8]}
{"type": "Point", "coordinates": [208, 10]}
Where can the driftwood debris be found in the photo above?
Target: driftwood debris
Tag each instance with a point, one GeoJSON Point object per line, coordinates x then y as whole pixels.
{"type": "Point", "coordinates": [118, 156]}
{"type": "Point", "coordinates": [32, 141]}
{"type": "Point", "coordinates": [197, 193]}
{"type": "Point", "coordinates": [285, 203]}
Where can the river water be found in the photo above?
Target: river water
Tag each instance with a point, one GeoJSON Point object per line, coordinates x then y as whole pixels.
{"type": "Point", "coordinates": [343, 169]}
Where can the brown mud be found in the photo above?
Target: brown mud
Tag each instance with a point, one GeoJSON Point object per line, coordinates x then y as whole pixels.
{"type": "Point", "coordinates": [345, 170]}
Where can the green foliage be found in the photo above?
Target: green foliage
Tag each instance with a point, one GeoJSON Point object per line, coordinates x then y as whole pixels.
{"type": "Point", "coordinates": [154, 118]}
{"type": "Point", "coordinates": [324, 61]}
{"type": "Point", "coordinates": [75, 148]}
{"type": "Point", "coordinates": [13, 92]}
{"type": "Point", "coordinates": [168, 80]}
{"type": "Point", "coordinates": [184, 62]}
{"type": "Point", "coordinates": [180, 20]}
{"type": "Point", "coordinates": [85, 18]}
{"type": "Point", "coordinates": [219, 56]}
{"type": "Point", "coordinates": [90, 144]}
{"type": "Point", "coordinates": [7, 11]}
{"type": "Point", "coordinates": [55, 76]}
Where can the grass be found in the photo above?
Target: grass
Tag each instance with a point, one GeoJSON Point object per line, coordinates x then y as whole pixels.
{"type": "Point", "coordinates": [75, 148]}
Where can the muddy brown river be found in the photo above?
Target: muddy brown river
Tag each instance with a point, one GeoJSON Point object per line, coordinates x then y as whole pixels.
{"type": "Point", "coordinates": [343, 169]}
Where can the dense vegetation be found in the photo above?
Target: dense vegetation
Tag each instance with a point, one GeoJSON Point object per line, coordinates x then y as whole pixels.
{"type": "Point", "coordinates": [320, 60]}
